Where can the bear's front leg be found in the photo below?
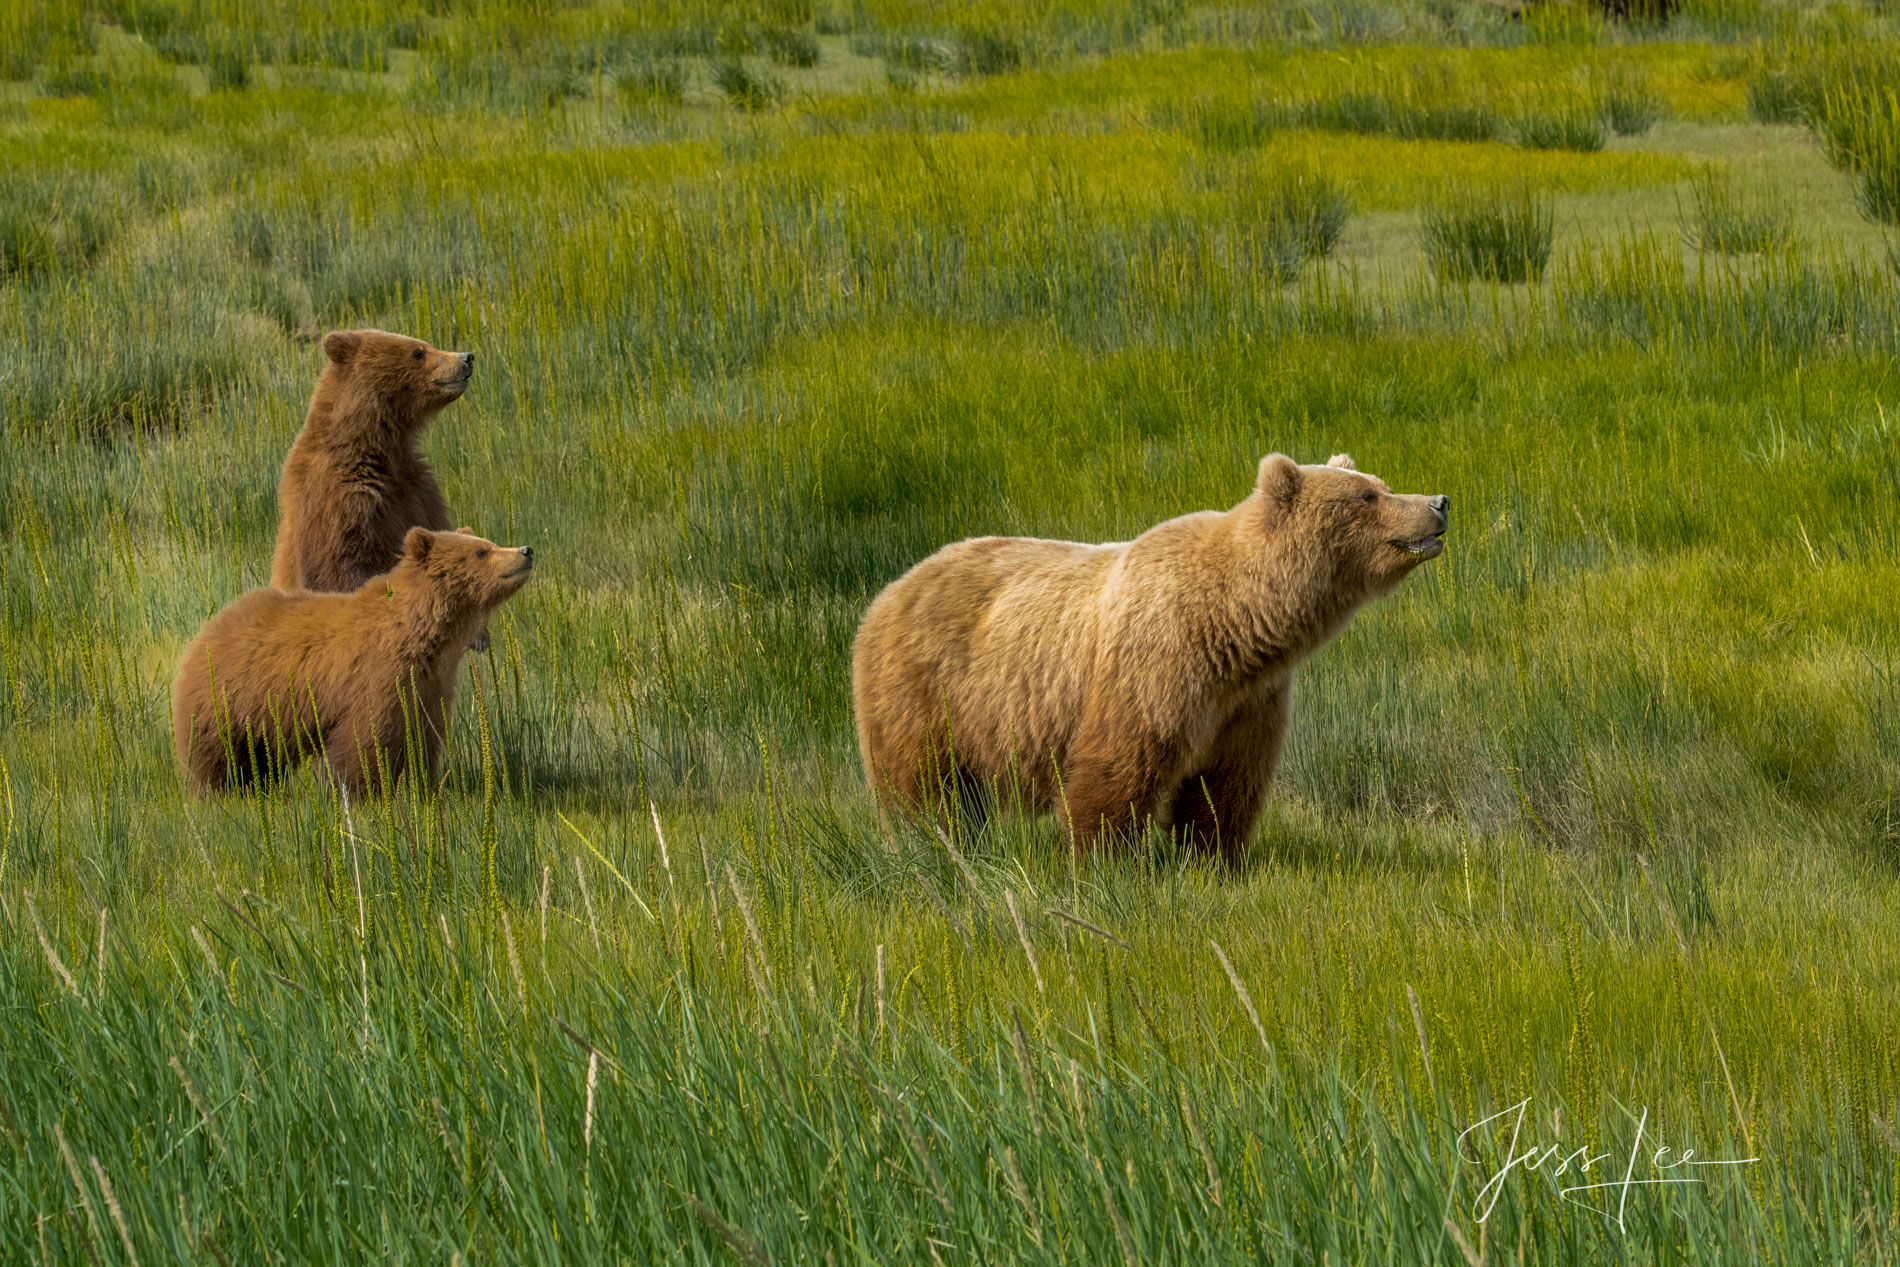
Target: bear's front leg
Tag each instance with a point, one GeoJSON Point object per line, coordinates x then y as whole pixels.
{"type": "Point", "coordinates": [1114, 780]}
{"type": "Point", "coordinates": [435, 729]}
{"type": "Point", "coordinates": [1216, 807]}
{"type": "Point", "coordinates": [348, 762]}
{"type": "Point", "coordinates": [364, 745]}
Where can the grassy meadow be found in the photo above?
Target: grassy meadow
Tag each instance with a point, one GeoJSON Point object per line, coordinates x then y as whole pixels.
{"type": "Point", "coordinates": [1598, 815]}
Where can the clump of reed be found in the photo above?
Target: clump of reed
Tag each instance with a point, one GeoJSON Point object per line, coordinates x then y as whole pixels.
{"type": "Point", "coordinates": [750, 88]}
{"type": "Point", "coordinates": [1222, 125]}
{"type": "Point", "coordinates": [1407, 112]}
{"type": "Point", "coordinates": [789, 46]}
{"type": "Point", "coordinates": [910, 54]}
{"type": "Point", "coordinates": [1845, 85]}
{"type": "Point", "coordinates": [990, 50]}
{"type": "Point", "coordinates": [1783, 303]}
{"type": "Point", "coordinates": [1488, 235]}
{"type": "Point", "coordinates": [1313, 206]}
{"type": "Point", "coordinates": [1773, 96]}
{"type": "Point", "coordinates": [973, 50]}
{"type": "Point", "coordinates": [651, 81]}
{"type": "Point", "coordinates": [1859, 126]}
{"type": "Point", "coordinates": [1629, 103]}
{"type": "Point", "coordinates": [1729, 220]}
{"type": "Point", "coordinates": [1571, 125]}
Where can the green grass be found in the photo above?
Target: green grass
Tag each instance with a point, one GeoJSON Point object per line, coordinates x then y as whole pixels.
{"type": "Point", "coordinates": [1601, 809]}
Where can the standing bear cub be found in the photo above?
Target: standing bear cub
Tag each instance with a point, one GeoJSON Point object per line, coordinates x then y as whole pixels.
{"type": "Point", "coordinates": [277, 676]}
{"type": "Point", "coordinates": [1142, 681]}
{"type": "Point", "coordinates": [355, 482]}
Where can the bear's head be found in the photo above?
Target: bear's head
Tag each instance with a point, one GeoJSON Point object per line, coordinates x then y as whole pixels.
{"type": "Point", "coordinates": [1371, 536]}
{"type": "Point", "coordinates": [406, 375]}
{"type": "Point", "coordinates": [468, 576]}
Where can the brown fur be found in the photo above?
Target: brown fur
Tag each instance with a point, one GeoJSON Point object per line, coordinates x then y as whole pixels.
{"type": "Point", "coordinates": [1133, 682]}
{"type": "Point", "coordinates": [276, 676]}
{"type": "Point", "coordinates": [355, 482]}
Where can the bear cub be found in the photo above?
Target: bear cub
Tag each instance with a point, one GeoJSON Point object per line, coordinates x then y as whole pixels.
{"type": "Point", "coordinates": [277, 676]}
{"type": "Point", "coordinates": [1141, 681]}
{"type": "Point", "coordinates": [355, 481]}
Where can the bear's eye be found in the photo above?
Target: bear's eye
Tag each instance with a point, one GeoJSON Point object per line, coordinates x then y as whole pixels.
{"type": "Point", "coordinates": [482, 553]}
{"type": "Point", "coordinates": [416, 355]}
{"type": "Point", "coordinates": [1368, 497]}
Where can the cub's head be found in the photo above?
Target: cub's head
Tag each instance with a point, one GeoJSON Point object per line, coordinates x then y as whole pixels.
{"type": "Point", "coordinates": [468, 574]}
{"type": "Point", "coordinates": [407, 374]}
{"type": "Point", "coordinates": [1373, 536]}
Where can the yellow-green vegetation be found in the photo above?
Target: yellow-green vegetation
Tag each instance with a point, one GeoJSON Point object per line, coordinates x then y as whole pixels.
{"type": "Point", "coordinates": [1599, 813]}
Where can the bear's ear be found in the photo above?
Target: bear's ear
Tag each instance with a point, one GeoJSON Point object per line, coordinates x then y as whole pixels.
{"type": "Point", "coordinates": [1343, 461]}
{"type": "Point", "coordinates": [416, 546]}
{"type": "Point", "coordinates": [341, 345]}
{"type": "Point", "coordinates": [1279, 480]}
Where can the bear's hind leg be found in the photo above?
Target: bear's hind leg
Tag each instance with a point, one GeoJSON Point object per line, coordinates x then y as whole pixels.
{"type": "Point", "coordinates": [895, 768]}
{"type": "Point", "coordinates": [966, 803]}
{"type": "Point", "coordinates": [228, 755]}
{"type": "Point", "coordinates": [922, 781]}
{"type": "Point", "coordinates": [202, 758]}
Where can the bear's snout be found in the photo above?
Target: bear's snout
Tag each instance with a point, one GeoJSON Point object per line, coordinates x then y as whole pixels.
{"type": "Point", "coordinates": [455, 371]}
{"type": "Point", "coordinates": [523, 564]}
{"type": "Point", "coordinates": [1441, 506]}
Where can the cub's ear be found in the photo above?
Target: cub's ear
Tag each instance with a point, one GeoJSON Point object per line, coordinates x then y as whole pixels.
{"type": "Point", "coordinates": [1343, 461]}
{"type": "Point", "coordinates": [1279, 480]}
{"type": "Point", "coordinates": [341, 345]}
{"type": "Point", "coordinates": [466, 531]}
{"type": "Point", "coordinates": [416, 546]}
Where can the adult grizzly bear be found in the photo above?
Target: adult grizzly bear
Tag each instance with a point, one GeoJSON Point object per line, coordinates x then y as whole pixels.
{"type": "Point", "coordinates": [1139, 681]}
{"type": "Point", "coordinates": [355, 482]}
{"type": "Point", "coordinates": [276, 676]}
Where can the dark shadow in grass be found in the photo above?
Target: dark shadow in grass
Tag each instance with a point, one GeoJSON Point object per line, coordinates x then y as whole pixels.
{"type": "Point", "coordinates": [608, 784]}
{"type": "Point", "coordinates": [870, 859]}
{"type": "Point", "coordinates": [990, 849]}
{"type": "Point", "coordinates": [592, 772]}
{"type": "Point", "coordinates": [1347, 845]}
